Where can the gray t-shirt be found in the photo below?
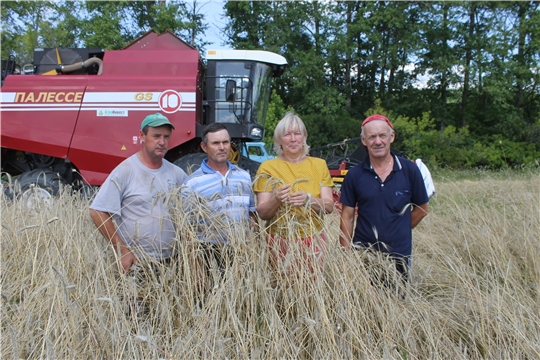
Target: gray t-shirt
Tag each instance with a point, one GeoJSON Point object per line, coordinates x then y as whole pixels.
{"type": "Point", "coordinates": [138, 200]}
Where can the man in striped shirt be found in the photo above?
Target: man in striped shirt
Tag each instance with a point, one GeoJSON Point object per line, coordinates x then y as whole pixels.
{"type": "Point", "coordinates": [218, 198]}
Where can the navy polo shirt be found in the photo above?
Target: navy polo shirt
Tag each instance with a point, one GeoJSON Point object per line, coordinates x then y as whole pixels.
{"type": "Point", "coordinates": [384, 211]}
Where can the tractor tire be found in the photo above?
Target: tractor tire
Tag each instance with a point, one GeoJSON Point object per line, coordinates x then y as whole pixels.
{"type": "Point", "coordinates": [8, 190]}
{"type": "Point", "coordinates": [191, 162]}
{"type": "Point", "coordinates": [38, 186]}
{"type": "Point", "coordinates": [82, 188]}
{"type": "Point", "coordinates": [251, 166]}
{"type": "Point", "coordinates": [88, 192]}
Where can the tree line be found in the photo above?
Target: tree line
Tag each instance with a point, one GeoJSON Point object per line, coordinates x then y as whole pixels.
{"type": "Point", "coordinates": [460, 80]}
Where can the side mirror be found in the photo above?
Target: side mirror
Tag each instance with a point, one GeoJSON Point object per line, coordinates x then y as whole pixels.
{"type": "Point", "coordinates": [230, 90]}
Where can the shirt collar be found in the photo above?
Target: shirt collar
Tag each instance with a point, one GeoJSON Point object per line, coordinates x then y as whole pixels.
{"type": "Point", "coordinates": [397, 163]}
{"type": "Point", "coordinates": [208, 170]}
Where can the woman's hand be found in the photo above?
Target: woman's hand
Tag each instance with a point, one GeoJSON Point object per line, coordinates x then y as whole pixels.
{"type": "Point", "coordinates": [282, 193]}
{"type": "Point", "coordinates": [300, 198]}
{"type": "Point", "coordinates": [268, 203]}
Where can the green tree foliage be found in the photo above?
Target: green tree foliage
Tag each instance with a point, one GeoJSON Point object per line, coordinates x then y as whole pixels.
{"type": "Point", "coordinates": [276, 111]}
{"type": "Point", "coordinates": [10, 38]}
{"type": "Point", "coordinates": [113, 24]}
{"type": "Point", "coordinates": [461, 79]}
{"type": "Point", "coordinates": [458, 78]}
{"type": "Point", "coordinates": [27, 25]}
{"type": "Point", "coordinates": [247, 27]}
{"type": "Point", "coordinates": [195, 26]}
{"type": "Point", "coordinates": [156, 15]}
{"type": "Point", "coordinates": [102, 26]}
{"type": "Point", "coordinates": [95, 24]}
{"type": "Point", "coordinates": [455, 147]}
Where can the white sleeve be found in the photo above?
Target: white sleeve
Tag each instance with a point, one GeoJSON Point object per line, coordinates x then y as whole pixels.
{"type": "Point", "coordinates": [109, 197]}
{"type": "Point", "coordinates": [426, 175]}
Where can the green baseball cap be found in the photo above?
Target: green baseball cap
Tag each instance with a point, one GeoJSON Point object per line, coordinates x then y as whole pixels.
{"type": "Point", "coordinates": [156, 120]}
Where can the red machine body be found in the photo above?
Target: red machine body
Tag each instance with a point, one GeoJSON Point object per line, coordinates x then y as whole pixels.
{"type": "Point", "coordinates": [94, 121]}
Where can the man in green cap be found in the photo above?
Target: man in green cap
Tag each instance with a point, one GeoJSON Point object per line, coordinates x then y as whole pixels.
{"type": "Point", "coordinates": [136, 197]}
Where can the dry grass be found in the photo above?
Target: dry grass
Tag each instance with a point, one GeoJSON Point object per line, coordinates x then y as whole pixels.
{"type": "Point", "coordinates": [474, 291]}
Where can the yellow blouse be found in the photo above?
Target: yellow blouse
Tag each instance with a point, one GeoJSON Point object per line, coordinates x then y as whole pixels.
{"type": "Point", "coordinates": [310, 176]}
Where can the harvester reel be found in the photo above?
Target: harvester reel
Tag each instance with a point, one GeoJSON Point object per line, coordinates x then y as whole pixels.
{"type": "Point", "coordinates": [234, 155]}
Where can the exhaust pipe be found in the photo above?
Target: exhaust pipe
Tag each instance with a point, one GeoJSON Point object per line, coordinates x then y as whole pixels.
{"type": "Point", "coordinates": [77, 66]}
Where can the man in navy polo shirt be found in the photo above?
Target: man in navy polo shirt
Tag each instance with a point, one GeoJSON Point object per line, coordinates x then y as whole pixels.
{"type": "Point", "coordinates": [384, 187]}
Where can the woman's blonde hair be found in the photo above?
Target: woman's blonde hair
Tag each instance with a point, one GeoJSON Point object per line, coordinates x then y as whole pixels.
{"type": "Point", "coordinates": [290, 120]}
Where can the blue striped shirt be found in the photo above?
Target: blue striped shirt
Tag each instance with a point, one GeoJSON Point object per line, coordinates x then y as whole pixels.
{"type": "Point", "coordinates": [218, 204]}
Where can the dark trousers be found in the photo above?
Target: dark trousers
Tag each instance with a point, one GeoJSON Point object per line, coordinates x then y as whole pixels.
{"type": "Point", "coordinates": [215, 260]}
{"type": "Point", "coordinates": [148, 271]}
{"type": "Point", "coordinates": [380, 274]}
{"type": "Point", "coordinates": [403, 267]}
{"type": "Point", "coordinates": [141, 279]}
{"type": "Point", "coordinates": [218, 255]}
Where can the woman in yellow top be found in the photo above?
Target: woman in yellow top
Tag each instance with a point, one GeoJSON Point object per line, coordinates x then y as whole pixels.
{"type": "Point", "coordinates": [294, 191]}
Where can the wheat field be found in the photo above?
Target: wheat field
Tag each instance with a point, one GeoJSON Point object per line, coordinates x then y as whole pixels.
{"type": "Point", "coordinates": [473, 294]}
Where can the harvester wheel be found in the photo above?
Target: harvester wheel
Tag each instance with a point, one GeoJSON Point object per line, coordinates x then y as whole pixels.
{"type": "Point", "coordinates": [38, 186]}
{"type": "Point", "coordinates": [7, 189]}
{"type": "Point", "coordinates": [191, 162]}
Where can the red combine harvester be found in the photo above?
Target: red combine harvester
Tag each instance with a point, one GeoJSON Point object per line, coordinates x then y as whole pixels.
{"type": "Point", "coordinates": [340, 157]}
{"type": "Point", "coordinates": [75, 114]}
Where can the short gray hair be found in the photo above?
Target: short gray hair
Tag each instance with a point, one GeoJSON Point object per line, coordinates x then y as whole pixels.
{"type": "Point", "coordinates": [389, 127]}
